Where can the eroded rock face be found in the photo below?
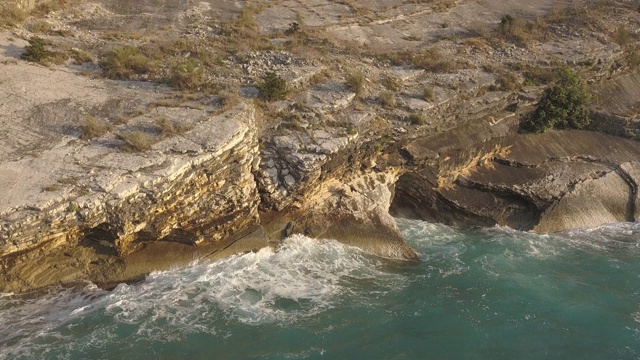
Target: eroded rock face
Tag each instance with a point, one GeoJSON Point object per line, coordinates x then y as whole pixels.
{"type": "Point", "coordinates": [355, 213]}
{"type": "Point", "coordinates": [546, 182]}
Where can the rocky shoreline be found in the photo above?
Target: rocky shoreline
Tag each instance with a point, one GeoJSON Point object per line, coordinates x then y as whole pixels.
{"type": "Point", "coordinates": [209, 174]}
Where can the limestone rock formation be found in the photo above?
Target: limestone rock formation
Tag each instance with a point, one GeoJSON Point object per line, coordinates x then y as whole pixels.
{"type": "Point", "coordinates": [402, 104]}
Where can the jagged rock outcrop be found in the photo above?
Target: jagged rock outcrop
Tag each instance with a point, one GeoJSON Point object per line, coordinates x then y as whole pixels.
{"type": "Point", "coordinates": [356, 213]}
{"type": "Point", "coordinates": [546, 182]}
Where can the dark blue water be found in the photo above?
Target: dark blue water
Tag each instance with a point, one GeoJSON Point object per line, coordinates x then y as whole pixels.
{"type": "Point", "coordinates": [477, 294]}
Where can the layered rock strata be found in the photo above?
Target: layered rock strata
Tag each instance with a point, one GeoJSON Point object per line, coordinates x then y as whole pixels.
{"type": "Point", "coordinates": [194, 188]}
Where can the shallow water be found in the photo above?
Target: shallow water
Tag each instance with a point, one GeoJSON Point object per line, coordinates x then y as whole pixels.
{"type": "Point", "coordinates": [477, 294]}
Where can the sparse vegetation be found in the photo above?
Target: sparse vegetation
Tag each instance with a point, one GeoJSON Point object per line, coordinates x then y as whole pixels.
{"type": "Point", "coordinates": [393, 83]}
{"type": "Point", "coordinates": [521, 31]}
{"type": "Point", "coordinates": [537, 75]}
{"type": "Point", "coordinates": [563, 106]}
{"type": "Point", "coordinates": [356, 82]}
{"type": "Point", "coordinates": [427, 94]}
{"type": "Point", "coordinates": [294, 28]}
{"type": "Point", "coordinates": [245, 19]}
{"type": "Point", "coordinates": [387, 99]}
{"type": "Point", "coordinates": [416, 118]}
{"type": "Point", "coordinates": [507, 81]}
{"type": "Point", "coordinates": [169, 127]}
{"type": "Point", "coordinates": [135, 141]}
{"type": "Point", "coordinates": [273, 87]}
{"type": "Point", "coordinates": [188, 75]}
{"type": "Point", "coordinates": [80, 57]}
{"type": "Point", "coordinates": [429, 59]}
{"type": "Point", "coordinates": [73, 207]}
{"type": "Point", "coordinates": [622, 36]}
{"type": "Point", "coordinates": [45, 7]}
{"type": "Point", "coordinates": [432, 60]}
{"type": "Point", "coordinates": [633, 58]}
{"type": "Point", "coordinates": [11, 15]}
{"type": "Point", "coordinates": [123, 62]}
{"type": "Point", "coordinates": [40, 26]}
{"type": "Point", "coordinates": [51, 188]}
{"type": "Point", "coordinates": [38, 52]}
{"type": "Point", "coordinates": [93, 128]}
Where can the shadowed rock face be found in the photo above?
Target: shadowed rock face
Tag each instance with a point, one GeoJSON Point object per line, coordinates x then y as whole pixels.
{"type": "Point", "coordinates": [546, 182]}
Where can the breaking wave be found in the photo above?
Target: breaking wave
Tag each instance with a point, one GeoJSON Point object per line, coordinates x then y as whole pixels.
{"type": "Point", "coordinates": [303, 278]}
{"type": "Point", "coordinates": [476, 293]}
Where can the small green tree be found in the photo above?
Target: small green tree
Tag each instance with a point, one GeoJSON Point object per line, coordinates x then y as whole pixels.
{"type": "Point", "coordinates": [273, 87]}
{"type": "Point", "coordinates": [563, 106]}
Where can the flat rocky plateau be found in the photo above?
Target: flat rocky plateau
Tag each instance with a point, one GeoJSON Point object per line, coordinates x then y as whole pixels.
{"type": "Point", "coordinates": [142, 139]}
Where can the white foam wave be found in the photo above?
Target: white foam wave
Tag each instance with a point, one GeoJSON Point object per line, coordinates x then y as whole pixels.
{"type": "Point", "coordinates": [302, 278]}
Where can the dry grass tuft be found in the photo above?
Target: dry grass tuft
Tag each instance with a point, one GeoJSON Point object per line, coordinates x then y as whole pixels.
{"type": "Point", "coordinates": [126, 61]}
{"type": "Point", "coordinates": [93, 128]}
{"type": "Point", "coordinates": [392, 83]}
{"type": "Point", "coordinates": [388, 99]}
{"type": "Point", "coordinates": [135, 141]}
{"type": "Point", "coordinates": [427, 94]}
{"type": "Point", "coordinates": [356, 82]}
{"type": "Point", "coordinates": [169, 127]}
{"type": "Point", "coordinates": [11, 15]}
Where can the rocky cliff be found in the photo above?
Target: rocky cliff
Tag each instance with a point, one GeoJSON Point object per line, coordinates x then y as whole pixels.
{"type": "Point", "coordinates": [140, 138]}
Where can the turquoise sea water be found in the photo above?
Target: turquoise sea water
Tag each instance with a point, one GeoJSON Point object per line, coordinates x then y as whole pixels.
{"type": "Point", "coordinates": [477, 294]}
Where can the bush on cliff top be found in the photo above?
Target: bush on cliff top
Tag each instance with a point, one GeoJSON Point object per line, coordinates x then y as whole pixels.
{"type": "Point", "coordinates": [563, 106]}
{"type": "Point", "coordinates": [273, 87]}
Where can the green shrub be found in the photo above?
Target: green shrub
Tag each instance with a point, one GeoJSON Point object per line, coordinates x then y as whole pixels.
{"type": "Point", "coordinates": [36, 51]}
{"type": "Point", "coordinates": [273, 87]}
{"type": "Point", "coordinates": [563, 106]}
